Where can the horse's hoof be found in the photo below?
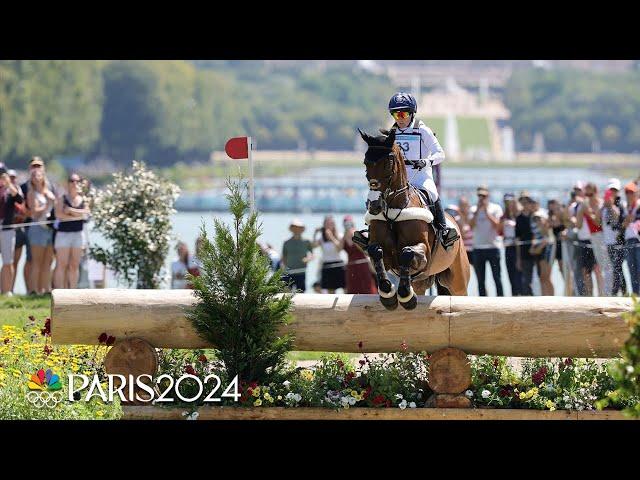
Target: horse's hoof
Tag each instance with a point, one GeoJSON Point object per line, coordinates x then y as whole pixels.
{"type": "Point", "coordinates": [411, 304]}
{"type": "Point", "coordinates": [390, 303]}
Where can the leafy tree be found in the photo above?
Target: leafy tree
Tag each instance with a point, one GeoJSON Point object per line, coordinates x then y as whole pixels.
{"type": "Point", "coordinates": [238, 309]}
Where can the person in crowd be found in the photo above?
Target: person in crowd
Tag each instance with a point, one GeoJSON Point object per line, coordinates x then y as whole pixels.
{"type": "Point", "coordinates": [317, 287]}
{"type": "Point", "coordinates": [271, 254]}
{"type": "Point", "coordinates": [589, 213]}
{"type": "Point", "coordinates": [611, 215]}
{"type": "Point", "coordinates": [542, 246]}
{"type": "Point", "coordinates": [11, 196]}
{"type": "Point", "coordinates": [508, 231]}
{"type": "Point", "coordinates": [580, 281]}
{"type": "Point", "coordinates": [40, 200]}
{"type": "Point", "coordinates": [333, 272]}
{"type": "Point", "coordinates": [462, 219]}
{"type": "Point", "coordinates": [72, 210]}
{"type": "Point", "coordinates": [36, 164]}
{"type": "Point", "coordinates": [631, 225]}
{"type": "Point", "coordinates": [558, 223]}
{"type": "Point", "coordinates": [296, 253]}
{"type": "Point", "coordinates": [19, 217]}
{"type": "Point", "coordinates": [359, 277]}
{"type": "Point", "coordinates": [196, 266]}
{"type": "Point", "coordinates": [526, 260]}
{"type": "Point", "coordinates": [484, 220]}
{"type": "Point", "coordinates": [181, 266]}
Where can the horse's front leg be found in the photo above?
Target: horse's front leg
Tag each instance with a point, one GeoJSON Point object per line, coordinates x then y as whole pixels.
{"type": "Point", "coordinates": [386, 290]}
{"type": "Point", "coordinates": [410, 258]}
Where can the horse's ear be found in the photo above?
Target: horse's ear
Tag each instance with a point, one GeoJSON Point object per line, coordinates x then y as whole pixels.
{"type": "Point", "coordinates": [391, 138]}
{"type": "Point", "coordinates": [384, 131]}
{"type": "Point", "coordinates": [365, 137]}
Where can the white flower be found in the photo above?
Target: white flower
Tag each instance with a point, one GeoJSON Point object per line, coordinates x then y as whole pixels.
{"type": "Point", "coordinates": [568, 406]}
{"type": "Point", "coordinates": [403, 404]}
{"type": "Point", "coordinates": [469, 393]}
{"type": "Point", "coordinates": [485, 393]}
{"type": "Point", "coordinates": [352, 401]}
{"type": "Point", "coordinates": [297, 397]}
{"type": "Point", "coordinates": [629, 369]}
{"type": "Point", "coordinates": [399, 396]}
{"type": "Point", "coordinates": [289, 396]}
{"type": "Point", "coordinates": [193, 416]}
{"type": "Point", "coordinates": [286, 383]}
{"type": "Point", "coordinates": [412, 405]}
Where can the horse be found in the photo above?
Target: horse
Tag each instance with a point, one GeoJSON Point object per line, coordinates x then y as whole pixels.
{"type": "Point", "coordinates": [401, 236]}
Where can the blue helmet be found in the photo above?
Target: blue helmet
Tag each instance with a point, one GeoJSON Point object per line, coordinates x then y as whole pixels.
{"type": "Point", "coordinates": [403, 101]}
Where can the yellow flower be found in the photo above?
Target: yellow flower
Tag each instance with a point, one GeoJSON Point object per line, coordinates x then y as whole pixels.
{"type": "Point", "coordinates": [354, 394]}
{"type": "Point", "coordinates": [279, 397]}
{"type": "Point", "coordinates": [256, 392]}
{"type": "Point", "coordinates": [550, 405]}
{"type": "Point", "coordinates": [257, 403]}
{"type": "Point", "coordinates": [522, 395]}
{"type": "Point", "coordinates": [100, 413]}
{"type": "Point", "coordinates": [306, 375]}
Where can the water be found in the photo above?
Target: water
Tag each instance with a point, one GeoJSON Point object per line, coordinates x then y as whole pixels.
{"type": "Point", "coordinates": [548, 183]}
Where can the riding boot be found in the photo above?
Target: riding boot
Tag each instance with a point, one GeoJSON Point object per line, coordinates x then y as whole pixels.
{"type": "Point", "coordinates": [447, 235]}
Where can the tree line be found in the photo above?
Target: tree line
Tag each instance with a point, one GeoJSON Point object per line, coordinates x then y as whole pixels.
{"type": "Point", "coordinates": [575, 111]}
{"type": "Point", "coordinates": [168, 111]}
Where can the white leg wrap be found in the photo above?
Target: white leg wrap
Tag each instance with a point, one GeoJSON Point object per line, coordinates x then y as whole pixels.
{"type": "Point", "coordinates": [392, 293]}
{"type": "Point", "coordinates": [407, 298]}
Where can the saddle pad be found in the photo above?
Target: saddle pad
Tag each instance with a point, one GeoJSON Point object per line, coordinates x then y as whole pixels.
{"type": "Point", "coordinates": [411, 213]}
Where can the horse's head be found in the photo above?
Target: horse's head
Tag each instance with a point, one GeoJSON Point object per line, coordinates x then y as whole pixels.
{"type": "Point", "coordinates": [384, 167]}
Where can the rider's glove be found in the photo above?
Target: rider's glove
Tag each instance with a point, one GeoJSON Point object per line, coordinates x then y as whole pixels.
{"type": "Point", "coordinates": [419, 164]}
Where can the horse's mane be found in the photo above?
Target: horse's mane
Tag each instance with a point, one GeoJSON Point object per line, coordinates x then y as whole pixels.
{"type": "Point", "coordinates": [399, 161]}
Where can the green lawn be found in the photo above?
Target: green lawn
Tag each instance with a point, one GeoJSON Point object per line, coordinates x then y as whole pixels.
{"type": "Point", "coordinates": [473, 133]}
{"type": "Point", "coordinates": [16, 310]}
{"type": "Point", "coordinates": [437, 125]}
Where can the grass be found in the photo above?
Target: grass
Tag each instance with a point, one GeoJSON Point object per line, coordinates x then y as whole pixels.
{"type": "Point", "coordinates": [473, 133]}
{"type": "Point", "coordinates": [312, 356]}
{"type": "Point", "coordinates": [16, 310]}
{"type": "Point", "coordinates": [437, 126]}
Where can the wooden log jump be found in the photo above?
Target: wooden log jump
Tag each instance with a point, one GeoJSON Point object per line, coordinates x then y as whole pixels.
{"type": "Point", "coordinates": [517, 326]}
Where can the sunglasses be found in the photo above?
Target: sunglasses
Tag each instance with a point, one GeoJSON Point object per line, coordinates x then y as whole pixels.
{"type": "Point", "coordinates": [400, 115]}
{"type": "Point", "coordinates": [74, 180]}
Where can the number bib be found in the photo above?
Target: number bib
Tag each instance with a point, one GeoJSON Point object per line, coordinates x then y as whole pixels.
{"type": "Point", "coordinates": [411, 145]}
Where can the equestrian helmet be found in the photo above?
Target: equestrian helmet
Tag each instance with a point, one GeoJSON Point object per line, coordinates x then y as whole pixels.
{"type": "Point", "coordinates": [403, 101]}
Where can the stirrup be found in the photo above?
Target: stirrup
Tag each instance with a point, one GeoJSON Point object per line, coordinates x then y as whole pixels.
{"type": "Point", "coordinates": [360, 239]}
{"type": "Point", "coordinates": [448, 236]}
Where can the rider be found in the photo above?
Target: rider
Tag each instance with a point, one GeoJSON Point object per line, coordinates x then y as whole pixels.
{"type": "Point", "coordinates": [421, 150]}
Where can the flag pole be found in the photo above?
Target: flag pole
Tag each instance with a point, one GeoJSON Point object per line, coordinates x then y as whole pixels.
{"type": "Point", "coordinates": [252, 198]}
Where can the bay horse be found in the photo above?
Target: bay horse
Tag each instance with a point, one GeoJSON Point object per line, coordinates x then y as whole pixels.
{"type": "Point", "coordinates": [401, 237]}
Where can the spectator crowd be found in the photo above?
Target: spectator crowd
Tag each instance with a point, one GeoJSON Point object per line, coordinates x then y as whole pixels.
{"type": "Point", "coordinates": [47, 222]}
{"type": "Point", "coordinates": [590, 236]}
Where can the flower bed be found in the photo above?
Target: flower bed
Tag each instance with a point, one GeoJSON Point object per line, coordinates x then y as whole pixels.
{"type": "Point", "coordinates": [26, 350]}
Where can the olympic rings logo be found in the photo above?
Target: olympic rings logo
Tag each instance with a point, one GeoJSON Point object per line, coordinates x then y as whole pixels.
{"type": "Point", "coordinates": [44, 399]}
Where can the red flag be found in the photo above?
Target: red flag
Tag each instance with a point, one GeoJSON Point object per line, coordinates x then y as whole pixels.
{"type": "Point", "coordinates": [237, 148]}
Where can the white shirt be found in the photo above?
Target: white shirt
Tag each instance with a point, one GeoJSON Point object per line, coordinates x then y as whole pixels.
{"type": "Point", "coordinates": [179, 268]}
{"type": "Point", "coordinates": [427, 148]}
{"type": "Point", "coordinates": [609, 233]}
{"type": "Point", "coordinates": [484, 234]}
{"type": "Point", "coordinates": [329, 252]}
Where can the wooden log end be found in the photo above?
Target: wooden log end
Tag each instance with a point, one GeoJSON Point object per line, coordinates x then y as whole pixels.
{"type": "Point", "coordinates": [132, 356]}
{"type": "Point", "coordinates": [449, 371]}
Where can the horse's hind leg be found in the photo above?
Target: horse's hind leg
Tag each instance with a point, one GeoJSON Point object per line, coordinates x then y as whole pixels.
{"type": "Point", "coordinates": [386, 290]}
{"type": "Point", "coordinates": [456, 278]}
{"type": "Point", "coordinates": [410, 257]}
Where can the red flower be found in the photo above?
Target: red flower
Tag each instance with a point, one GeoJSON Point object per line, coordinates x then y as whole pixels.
{"type": "Point", "coordinates": [568, 361]}
{"type": "Point", "coordinates": [111, 340]}
{"type": "Point", "coordinates": [6, 340]}
{"type": "Point", "coordinates": [249, 391]}
{"type": "Point", "coordinates": [103, 337]}
{"type": "Point", "coordinates": [388, 404]}
{"type": "Point", "coordinates": [189, 369]}
{"type": "Point", "coordinates": [253, 384]}
{"type": "Point", "coordinates": [378, 399]}
{"type": "Point", "coordinates": [340, 363]}
{"type": "Point", "coordinates": [350, 376]}
{"type": "Point", "coordinates": [403, 345]}
{"type": "Point", "coordinates": [362, 362]}
{"type": "Point", "coordinates": [538, 377]}
{"type": "Point", "coordinates": [47, 349]}
{"type": "Point", "coordinates": [504, 392]}
{"type": "Point", "coordinates": [495, 362]}
{"type": "Point", "coordinates": [202, 358]}
{"type": "Point", "coordinates": [360, 344]}
{"type": "Point", "coordinates": [32, 318]}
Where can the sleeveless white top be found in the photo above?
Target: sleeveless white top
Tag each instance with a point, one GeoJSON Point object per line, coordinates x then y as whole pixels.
{"type": "Point", "coordinates": [40, 199]}
{"type": "Point", "coordinates": [329, 252]}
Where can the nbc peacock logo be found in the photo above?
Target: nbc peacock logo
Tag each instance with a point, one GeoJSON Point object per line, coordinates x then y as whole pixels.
{"type": "Point", "coordinates": [44, 389]}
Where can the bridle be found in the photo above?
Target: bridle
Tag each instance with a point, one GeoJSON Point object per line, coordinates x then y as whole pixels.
{"type": "Point", "coordinates": [388, 195]}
